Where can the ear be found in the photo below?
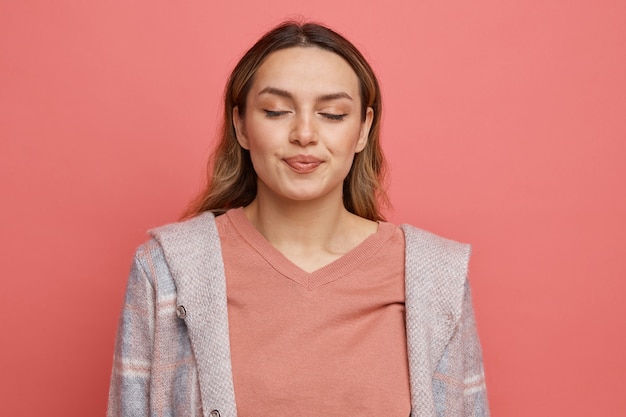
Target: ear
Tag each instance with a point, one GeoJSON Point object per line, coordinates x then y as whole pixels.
{"type": "Point", "coordinates": [365, 130]}
{"type": "Point", "coordinates": [240, 129]}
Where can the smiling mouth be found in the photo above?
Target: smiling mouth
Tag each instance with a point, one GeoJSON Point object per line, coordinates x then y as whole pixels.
{"type": "Point", "coordinates": [303, 164]}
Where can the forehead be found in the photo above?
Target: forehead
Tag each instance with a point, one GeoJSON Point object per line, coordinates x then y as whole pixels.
{"type": "Point", "coordinates": [306, 69]}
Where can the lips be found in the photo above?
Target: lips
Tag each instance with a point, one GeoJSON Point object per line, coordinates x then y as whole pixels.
{"type": "Point", "coordinates": [303, 164]}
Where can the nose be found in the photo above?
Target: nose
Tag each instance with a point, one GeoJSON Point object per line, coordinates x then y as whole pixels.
{"type": "Point", "coordinates": [303, 132]}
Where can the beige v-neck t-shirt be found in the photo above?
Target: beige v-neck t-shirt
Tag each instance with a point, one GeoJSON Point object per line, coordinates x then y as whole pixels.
{"type": "Point", "coordinates": [327, 343]}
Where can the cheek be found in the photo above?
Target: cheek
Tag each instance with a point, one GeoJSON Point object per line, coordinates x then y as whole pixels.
{"type": "Point", "coordinates": [347, 140]}
{"type": "Point", "coordinates": [259, 137]}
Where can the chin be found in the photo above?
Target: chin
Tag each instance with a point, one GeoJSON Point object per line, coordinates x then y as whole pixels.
{"type": "Point", "coordinates": [303, 195]}
{"type": "Point", "coordinates": [303, 191]}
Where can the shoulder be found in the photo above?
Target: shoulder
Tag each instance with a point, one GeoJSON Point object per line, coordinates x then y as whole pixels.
{"type": "Point", "coordinates": [435, 270]}
{"type": "Point", "coordinates": [424, 249]}
{"type": "Point", "coordinates": [176, 234]}
{"type": "Point", "coordinates": [424, 243]}
{"type": "Point", "coordinates": [188, 236]}
{"type": "Point", "coordinates": [194, 228]}
{"type": "Point", "coordinates": [168, 243]}
{"type": "Point", "coordinates": [191, 249]}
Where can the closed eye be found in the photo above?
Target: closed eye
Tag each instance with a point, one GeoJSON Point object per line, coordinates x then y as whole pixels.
{"type": "Point", "coordinates": [336, 117]}
{"type": "Point", "coordinates": [274, 113]}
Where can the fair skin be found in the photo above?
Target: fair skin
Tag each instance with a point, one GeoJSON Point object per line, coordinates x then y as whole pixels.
{"type": "Point", "coordinates": [303, 126]}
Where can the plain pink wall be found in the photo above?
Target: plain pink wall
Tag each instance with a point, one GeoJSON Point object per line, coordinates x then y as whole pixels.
{"type": "Point", "coordinates": [504, 125]}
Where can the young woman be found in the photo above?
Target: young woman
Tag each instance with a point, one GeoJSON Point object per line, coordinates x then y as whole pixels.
{"type": "Point", "coordinates": [285, 293]}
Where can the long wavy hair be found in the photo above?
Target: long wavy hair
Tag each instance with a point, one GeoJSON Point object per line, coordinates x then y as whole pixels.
{"type": "Point", "coordinates": [232, 181]}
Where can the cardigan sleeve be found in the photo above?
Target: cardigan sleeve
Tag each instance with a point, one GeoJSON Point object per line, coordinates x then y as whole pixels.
{"type": "Point", "coordinates": [460, 373]}
{"type": "Point", "coordinates": [130, 379]}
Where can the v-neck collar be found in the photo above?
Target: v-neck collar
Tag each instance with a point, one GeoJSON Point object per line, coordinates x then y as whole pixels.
{"type": "Point", "coordinates": [328, 273]}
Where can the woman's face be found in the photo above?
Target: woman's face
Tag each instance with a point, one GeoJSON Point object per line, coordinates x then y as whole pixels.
{"type": "Point", "coordinates": [303, 124]}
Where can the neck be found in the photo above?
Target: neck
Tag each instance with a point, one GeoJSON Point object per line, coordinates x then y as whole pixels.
{"type": "Point", "coordinates": [310, 233]}
{"type": "Point", "coordinates": [300, 223]}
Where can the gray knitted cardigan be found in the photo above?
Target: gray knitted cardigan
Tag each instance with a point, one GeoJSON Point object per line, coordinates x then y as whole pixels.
{"type": "Point", "coordinates": [172, 355]}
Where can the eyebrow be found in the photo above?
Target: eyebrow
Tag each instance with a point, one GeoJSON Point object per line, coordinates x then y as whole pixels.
{"type": "Point", "coordinates": [287, 94]}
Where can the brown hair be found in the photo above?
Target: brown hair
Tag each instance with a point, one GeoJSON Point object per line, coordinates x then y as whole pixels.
{"type": "Point", "coordinates": [232, 180]}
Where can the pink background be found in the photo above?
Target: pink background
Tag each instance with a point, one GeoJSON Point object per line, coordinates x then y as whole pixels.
{"type": "Point", "coordinates": [504, 125]}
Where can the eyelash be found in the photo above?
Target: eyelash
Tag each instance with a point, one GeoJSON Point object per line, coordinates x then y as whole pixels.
{"type": "Point", "coordinates": [273, 113]}
{"type": "Point", "coordinates": [329, 116]}
{"type": "Point", "coordinates": [335, 117]}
